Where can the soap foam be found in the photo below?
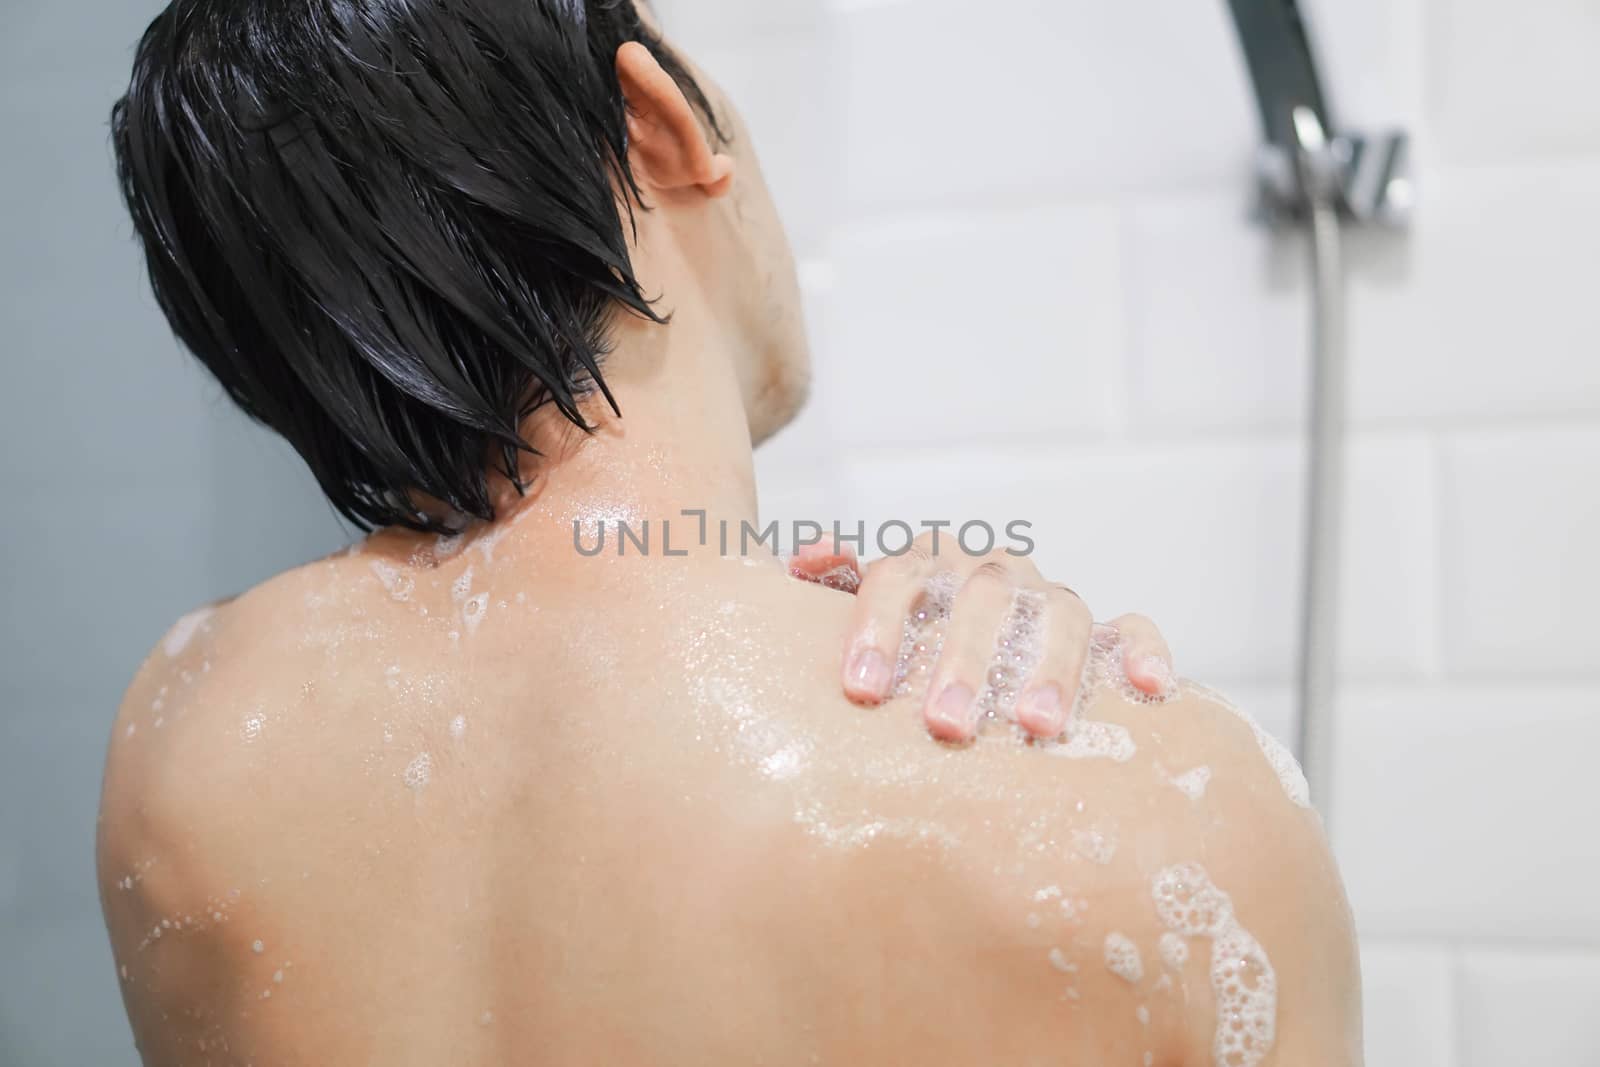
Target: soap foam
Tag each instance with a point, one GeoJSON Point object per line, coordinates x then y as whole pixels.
{"type": "Point", "coordinates": [418, 772]}
{"type": "Point", "coordinates": [447, 545]}
{"type": "Point", "coordinates": [183, 631]}
{"type": "Point", "coordinates": [250, 730]}
{"type": "Point", "coordinates": [1174, 951]}
{"type": "Point", "coordinates": [1096, 844]}
{"type": "Point", "coordinates": [487, 542]}
{"type": "Point", "coordinates": [1192, 783]}
{"type": "Point", "coordinates": [399, 586]}
{"type": "Point", "coordinates": [1108, 669]}
{"type": "Point", "coordinates": [1278, 756]}
{"type": "Point", "coordinates": [785, 763]}
{"type": "Point", "coordinates": [853, 835]}
{"type": "Point", "coordinates": [1087, 739]}
{"type": "Point", "coordinates": [1016, 655]}
{"type": "Point", "coordinates": [1122, 958]}
{"type": "Point", "coordinates": [922, 635]}
{"type": "Point", "coordinates": [473, 611]}
{"type": "Point", "coordinates": [1242, 979]}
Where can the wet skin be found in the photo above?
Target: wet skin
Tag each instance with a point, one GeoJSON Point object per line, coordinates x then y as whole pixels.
{"type": "Point", "coordinates": [489, 803]}
{"type": "Point", "coordinates": [494, 803]}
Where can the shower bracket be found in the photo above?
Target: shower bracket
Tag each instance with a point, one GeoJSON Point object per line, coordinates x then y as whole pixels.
{"type": "Point", "coordinates": [1365, 176]}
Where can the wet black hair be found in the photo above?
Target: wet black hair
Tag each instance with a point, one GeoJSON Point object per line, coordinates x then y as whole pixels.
{"type": "Point", "coordinates": [391, 228]}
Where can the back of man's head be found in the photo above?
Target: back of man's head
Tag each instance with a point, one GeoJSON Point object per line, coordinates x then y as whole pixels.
{"type": "Point", "coordinates": [390, 228]}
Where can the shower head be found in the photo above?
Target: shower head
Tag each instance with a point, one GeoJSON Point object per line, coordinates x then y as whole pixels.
{"type": "Point", "coordinates": [1364, 176]}
{"type": "Point", "coordinates": [1278, 52]}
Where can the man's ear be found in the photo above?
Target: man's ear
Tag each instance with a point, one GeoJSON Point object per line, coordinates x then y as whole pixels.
{"type": "Point", "coordinates": [668, 148]}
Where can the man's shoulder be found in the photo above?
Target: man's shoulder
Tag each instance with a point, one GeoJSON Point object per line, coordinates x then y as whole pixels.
{"type": "Point", "coordinates": [212, 749]}
{"type": "Point", "coordinates": [250, 633]}
{"type": "Point", "coordinates": [195, 729]}
{"type": "Point", "coordinates": [1114, 874]}
{"type": "Point", "coordinates": [218, 648]}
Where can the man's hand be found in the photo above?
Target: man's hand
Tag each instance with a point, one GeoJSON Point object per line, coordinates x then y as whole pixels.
{"type": "Point", "coordinates": [893, 589]}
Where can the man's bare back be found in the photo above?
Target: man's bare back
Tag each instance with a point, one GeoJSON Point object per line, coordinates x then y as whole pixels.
{"type": "Point", "coordinates": [493, 802]}
{"type": "Point", "coordinates": [484, 802]}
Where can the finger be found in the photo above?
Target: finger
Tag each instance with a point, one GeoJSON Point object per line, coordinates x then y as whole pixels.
{"type": "Point", "coordinates": [887, 597]}
{"type": "Point", "coordinates": [1146, 660]}
{"type": "Point", "coordinates": [835, 567]}
{"type": "Point", "coordinates": [1105, 636]}
{"type": "Point", "coordinates": [1052, 687]}
{"type": "Point", "coordinates": [982, 608]}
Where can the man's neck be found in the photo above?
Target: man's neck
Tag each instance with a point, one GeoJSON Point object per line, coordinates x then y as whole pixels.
{"type": "Point", "coordinates": [681, 444]}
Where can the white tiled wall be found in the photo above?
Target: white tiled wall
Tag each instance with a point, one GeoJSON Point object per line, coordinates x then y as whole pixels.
{"type": "Point", "coordinates": [1034, 294]}
{"type": "Point", "coordinates": [173, 500]}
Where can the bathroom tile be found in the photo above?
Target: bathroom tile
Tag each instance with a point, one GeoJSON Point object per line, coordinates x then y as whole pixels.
{"type": "Point", "coordinates": [1444, 320]}
{"type": "Point", "coordinates": [1122, 527]}
{"type": "Point", "coordinates": [1202, 536]}
{"type": "Point", "coordinates": [10, 866]}
{"type": "Point", "coordinates": [84, 341]}
{"type": "Point", "coordinates": [41, 41]}
{"type": "Point", "coordinates": [30, 32]}
{"type": "Point", "coordinates": [1529, 1007]}
{"type": "Point", "coordinates": [789, 497]}
{"type": "Point", "coordinates": [810, 440]}
{"type": "Point", "coordinates": [1388, 568]}
{"type": "Point", "coordinates": [1507, 84]}
{"type": "Point", "coordinates": [61, 1006]}
{"type": "Point", "coordinates": [778, 67]}
{"type": "Point", "coordinates": [975, 327]}
{"type": "Point", "coordinates": [1372, 56]}
{"type": "Point", "coordinates": [267, 514]}
{"type": "Point", "coordinates": [1056, 98]}
{"type": "Point", "coordinates": [1408, 1005]}
{"type": "Point", "coordinates": [51, 762]}
{"type": "Point", "coordinates": [101, 586]}
{"type": "Point", "coordinates": [1520, 518]}
{"type": "Point", "coordinates": [1220, 318]}
{"type": "Point", "coordinates": [1484, 307]}
{"type": "Point", "coordinates": [693, 23]}
{"type": "Point", "coordinates": [1456, 810]}
{"type": "Point", "coordinates": [798, 481]}
{"type": "Point", "coordinates": [789, 460]}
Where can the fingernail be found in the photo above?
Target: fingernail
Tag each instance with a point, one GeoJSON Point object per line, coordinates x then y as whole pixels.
{"type": "Point", "coordinates": [1104, 635]}
{"type": "Point", "coordinates": [869, 672]}
{"type": "Point", "coordinates": [1042, 712]}
{"type": "Point", "coordinates": [955, 707]}
{"type": "Point", "coordinates": [1156, 668]}
{"type": "Point", "coordinates": [841, 579]}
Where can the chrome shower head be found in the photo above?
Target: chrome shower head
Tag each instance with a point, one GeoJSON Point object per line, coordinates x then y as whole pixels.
{"type": "Point", "coordinates": [1364, 176]}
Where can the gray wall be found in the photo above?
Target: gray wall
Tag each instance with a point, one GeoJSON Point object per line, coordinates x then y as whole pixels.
{"type": "Point", "coordinates": [133, 493]}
